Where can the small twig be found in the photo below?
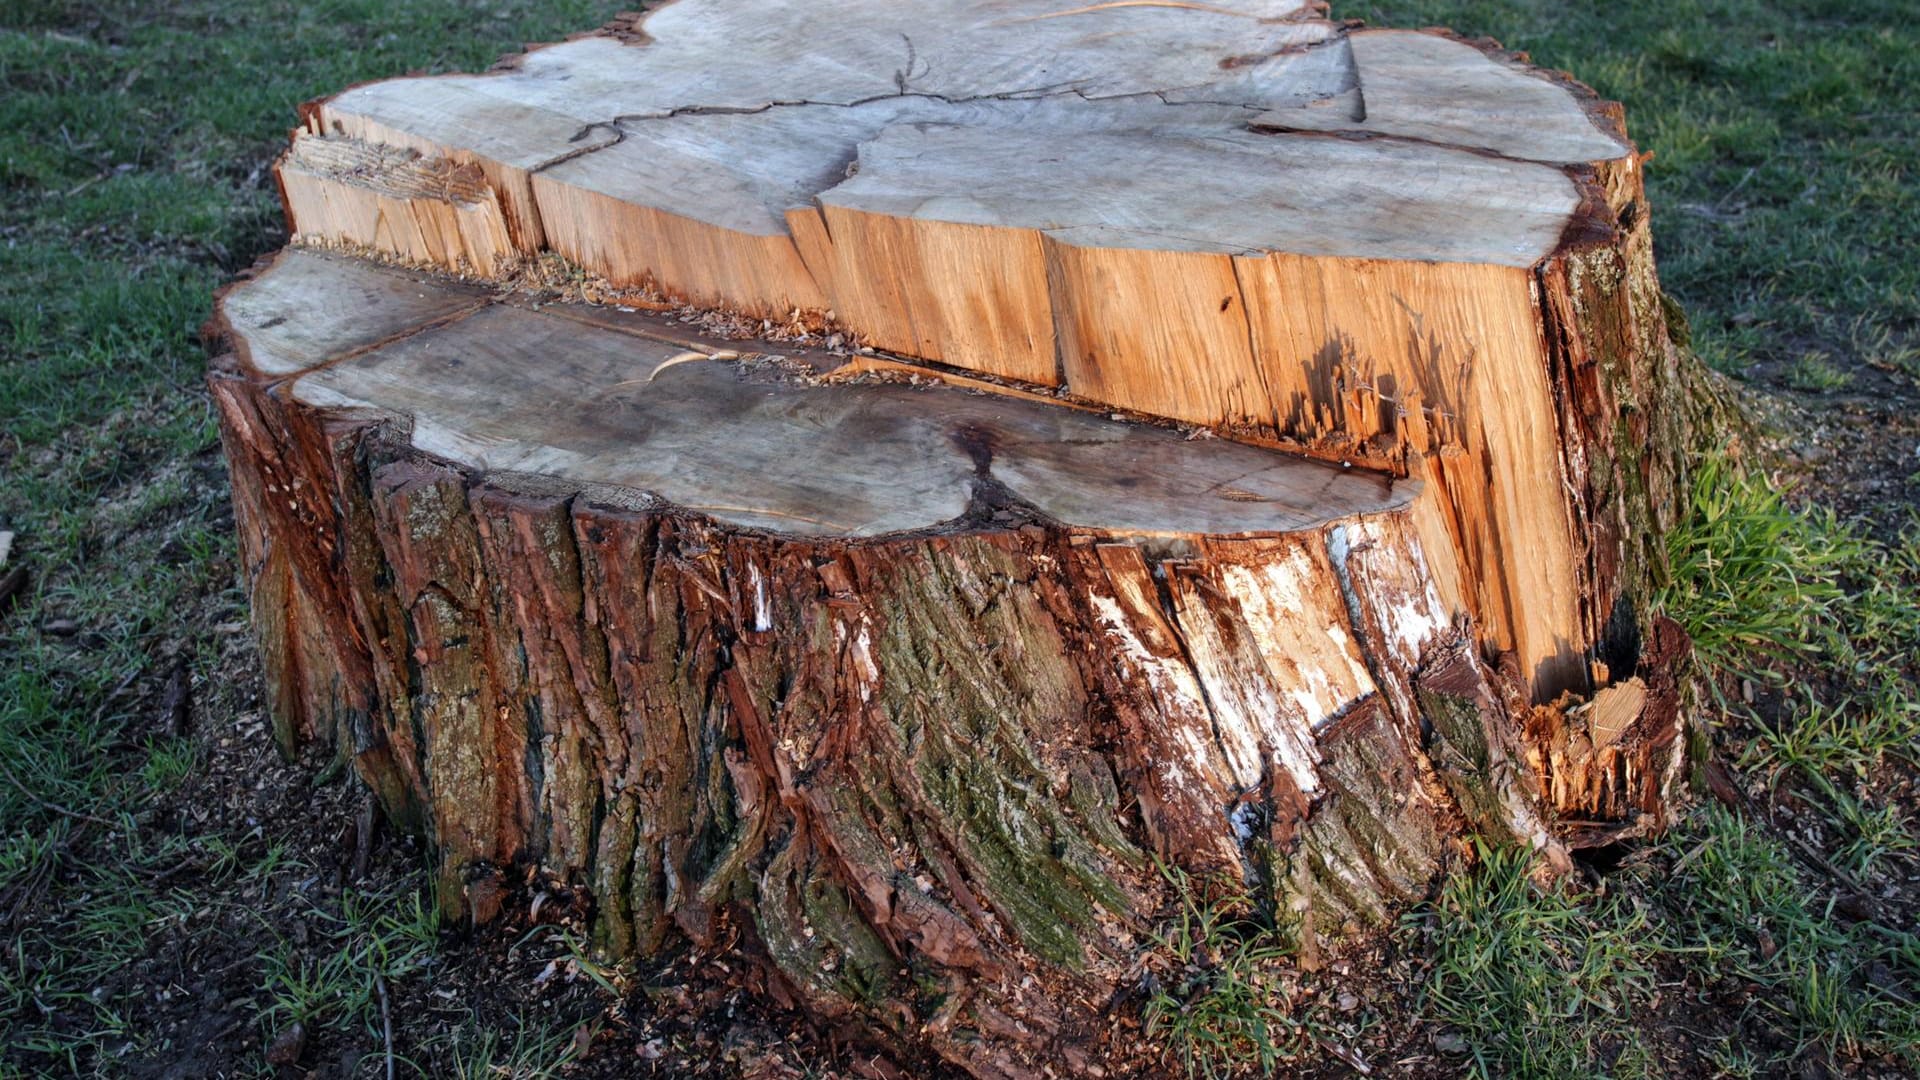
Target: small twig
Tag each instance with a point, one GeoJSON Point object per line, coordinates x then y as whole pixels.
{"type": "Point", "coordinates": [1734, 190]}
{"type": "Point", "coordinates": [118, 688]}
{"type": "Point", "coordinates": [673, 361]}
{"type": "Point", "coordinates": [386, 1019]}
{"type": "Point", "coordinates": [362, 838]}
{"type": "Point", "coordinates": [1358, 1063]}
{"type": "Point", "coordinates": [176, 703]}
{"type": "Point", "coordinates": [54, 807]}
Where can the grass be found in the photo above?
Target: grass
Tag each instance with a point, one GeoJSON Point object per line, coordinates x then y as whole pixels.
{"type": "Point", "coordinates": [1533, 982]}
{"type": "Point", "coordinates": [134, 143]}
{"type": "Point", "coordinates": [1542, 984]}
{"type": "Point", "coordinates": [1749, 911]}
{"type": "Point", "coordinates": [1218, 1002]}
{"type": "Point", "coordinates": [371, 941]}
{"type": "Point", "coordinates": [1754, 580]}
{"type": "Point", "coordinates": [479, 1051]}
{"type": "Point", "coordinates": [1805, 601]}
{"type": "Point", "coordinates": [1816, 373]}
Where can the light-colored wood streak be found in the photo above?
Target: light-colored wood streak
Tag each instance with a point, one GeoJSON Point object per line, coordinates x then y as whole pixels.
{"type": "Point", "coordinates": [1454, 353]}
{"type": "Point", "coordinates": [1142, 290]}
{"type": "Point", "coordinates": [422, 210]}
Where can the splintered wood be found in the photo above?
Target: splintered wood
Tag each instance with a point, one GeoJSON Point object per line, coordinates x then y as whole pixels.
{"type": "Point", "coordinates": [1229, 436]}
{"type": "Point", "coordinates": [421, 210]}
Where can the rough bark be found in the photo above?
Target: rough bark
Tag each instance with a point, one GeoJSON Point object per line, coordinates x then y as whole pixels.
{"type": "Point", "coordinates": [924, 773]}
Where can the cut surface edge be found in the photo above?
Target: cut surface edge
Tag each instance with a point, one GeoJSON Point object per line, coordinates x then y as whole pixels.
{"type": "Point", "coordinates": [506, 388]}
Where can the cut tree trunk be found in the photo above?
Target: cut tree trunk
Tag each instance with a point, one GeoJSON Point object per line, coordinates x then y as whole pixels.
{"type": "Point", "coordinates": [1120, 435]}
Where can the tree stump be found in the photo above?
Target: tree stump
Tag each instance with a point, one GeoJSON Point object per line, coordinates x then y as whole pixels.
{"type": "Point", "coordinates": [1128, 435]}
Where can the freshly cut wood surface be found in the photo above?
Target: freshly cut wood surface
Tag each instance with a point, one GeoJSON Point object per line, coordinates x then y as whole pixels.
{"type": "Point", "coordinates": [1228, 192]}
{"type": "Point", "coordinates": [312, 308]}
{"type": "Point", "coordinates": [422, 210]}
{"type": "Point", "coordinates": [704, 124]}
{"type": "Point", "coordinates": [1237, 215]}
{"type": "Point", "coordinates": [505, 388]}
{"type": "Point", "coordinates": [1437, 89]}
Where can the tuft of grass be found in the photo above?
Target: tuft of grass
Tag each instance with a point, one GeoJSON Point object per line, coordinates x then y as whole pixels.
{"type": "Point", "coordinates": [1795, 597]}
{"type": "Point", "coordinates": [1881, 347]}
{"type": "Point", "coordinates": [481, 1051]}
{"type": "Point", "coordinates": [1217, 997]}
{"type": "Point", "coordinates": [1832, 747]}
{"type": "Point", "coordinates": [1535, 982]}
{"type": "Point", "coordinates": [1815, 373]}
{"type": "Point", "coordinates": [1753, 579]}
{"type": "Point", "coordinates": [371, 942]}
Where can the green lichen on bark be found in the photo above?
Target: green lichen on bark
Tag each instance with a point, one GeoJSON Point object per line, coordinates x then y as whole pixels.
{"type": "Point", "coordinates": [430, 540]}
{"type": "Point", "coordinates": [818, 937]}
{"type": "Point", "coordinates": [984, 699]}
{"type": "Point", "coordinates": [1375, 839]}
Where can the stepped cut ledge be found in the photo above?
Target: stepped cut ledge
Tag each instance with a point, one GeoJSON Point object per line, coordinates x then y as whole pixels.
{"type": "Point", "coordinates": [1200, 432]}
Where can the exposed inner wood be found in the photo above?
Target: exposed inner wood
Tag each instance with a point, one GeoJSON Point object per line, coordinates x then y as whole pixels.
{"type": "Point", "coordinates": [1236, 215]}
{"type": "Point", "coordinates": [506, 388]}
{"type": "Point", "coordinates": [423, 210]}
